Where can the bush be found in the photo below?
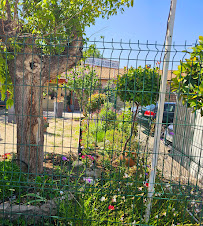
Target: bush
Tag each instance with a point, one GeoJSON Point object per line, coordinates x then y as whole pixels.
{"type": "Point", "coordinates": [95, 102]}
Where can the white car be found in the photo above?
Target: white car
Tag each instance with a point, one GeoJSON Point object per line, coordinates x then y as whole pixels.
{"type": "Point", "coordinates": [169, 133]}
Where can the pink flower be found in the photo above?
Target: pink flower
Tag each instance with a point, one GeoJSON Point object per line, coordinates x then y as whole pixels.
{"type": "Point", "coordinates": [83, 156]}
{"type": "Point", "coordinates": [111, 207]}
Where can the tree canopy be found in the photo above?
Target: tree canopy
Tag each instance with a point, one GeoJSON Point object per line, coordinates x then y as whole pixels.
{"type": "Point", "coordinates": [58, 17]}
{"type": "Point", "coordinates": [139, 85]}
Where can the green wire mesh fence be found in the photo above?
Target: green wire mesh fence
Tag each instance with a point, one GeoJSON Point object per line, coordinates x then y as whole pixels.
{"type": "Point", "coordinates": [77, 121]}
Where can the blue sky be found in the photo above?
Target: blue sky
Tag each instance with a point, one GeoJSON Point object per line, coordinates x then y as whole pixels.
{"type": "Point", "coordinates": [147, 20]}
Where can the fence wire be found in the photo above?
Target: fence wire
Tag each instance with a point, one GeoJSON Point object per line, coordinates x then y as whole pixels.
{"type": "Point", "coordinates": [77, 132]}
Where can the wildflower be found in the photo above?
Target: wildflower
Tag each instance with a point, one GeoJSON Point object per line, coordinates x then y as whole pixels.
{"type": "Point", "coordinates": [102, 199]}
{"type": "Point", "coordinates": [146, 174]}
{"type": "Point", "coordinates": [197, 210]}
{"type": "Point", "coordinates": [66, 80]}
{"type": "Point", "coordinates": [146, 183]}
{"type": "Point", "coordinates": [118, 189]}
{"type": "Point", "coordinates": [61, 192]}
{"type": "Point", "coordinates": [164, 214]}
{"type": "Point", "coordinates": [134, 222]}
{"type": "Point", "coordinates": [64, 158]}
{"type": "Point", "coordinates": [140, 188]}
{"type": "Point", "coordinates": [114, 199]}
{"type": "Point", "coordinates": [6, 156]}
{"type": "Point", "coordinates": [148, 166]}
{"type": "Point", "coordinates": [89, 180]}
{"type": "Point", "coordinates": [173, 209]}
{"type": "Point", "coordinates": [83, 156]}
{"type": "Point", "coordinates": [193, 202]}
{"type": "Point", "coordinates": [140, 175]}
{"type": "Point", "coordinates": [123, 197]}
{"type": "Point", "coordinates": [122, 218]}
{"type": "Point", "coordinates": [157, 216]}
{"type": "Point", "coordinates": [79, 154]}
{"type": "Point", "coordinates": [111, 207]}
{"type": "Point", "coordinates": [125, 175]}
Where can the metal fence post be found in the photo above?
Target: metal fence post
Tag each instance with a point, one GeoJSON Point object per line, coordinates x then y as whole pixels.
{"type": "Point", "coordinates": [159, 117]}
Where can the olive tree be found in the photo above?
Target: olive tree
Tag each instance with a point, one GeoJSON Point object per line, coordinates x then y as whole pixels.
{"type": "Point", "coordinates": [39, 40]}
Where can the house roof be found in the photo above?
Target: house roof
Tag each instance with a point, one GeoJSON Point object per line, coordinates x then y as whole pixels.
{"type": "Point", "coordinates": [112, 73]}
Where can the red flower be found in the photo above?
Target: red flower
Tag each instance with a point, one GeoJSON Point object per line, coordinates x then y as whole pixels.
{"type": "Point", "coordinates": [6, 155]}
{"type": "Point", "coordinates": [111, 207]}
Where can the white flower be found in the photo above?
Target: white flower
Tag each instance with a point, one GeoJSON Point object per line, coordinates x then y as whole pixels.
{"type": "Point", "coordinates": [62, 197]}
{"type": "Point", "coordinates": [95, 209]}
{"type": "Point", "coordinates": [193, 202]}
{"type": "Point", "coordinates": [132, 205]}
{"type": "Point", "coordinates": [156, 216]}
{"type": "Point", "coordinates": [173, 209]}
{"type": "Point", "coordinates": [140, 175]}
{"type": "Point", "coordinates": [113, 200]}
{"type": "Point", "coordinates": [129, 184]}
{"type": "Point", "coordinates": [164, 214]}
{"type": "Point", "coordinates": [122, 219]}
{"type": "Point", "coordinates": [102, 199]}
{"type": "Point", "coordinates": [119, 189]}
{"type": "Point", "coordinates": [197, 210]}
{"type": "Point", "coordinates": [134, 222]}
{"type": "Point", "coordinates": [123, 197]}
{"type": "Point", "coordinates": [61, 192]}
{"type": "Point", "coordinates": [140, 188]}
{"type": "Point", "coordinates": [125, 175]}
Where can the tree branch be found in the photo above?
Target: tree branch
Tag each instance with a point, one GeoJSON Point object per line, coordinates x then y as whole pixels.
{"type": "Point", "coordinates": [8, 10]}
{"type": "Point", "coordinates": [15, 17]}
{"type": "Point", "coordinates": [132, 128]}
{"type": "Point", "coordinates": [57, 64]}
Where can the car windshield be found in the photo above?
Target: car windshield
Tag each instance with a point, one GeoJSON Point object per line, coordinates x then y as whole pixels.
{"type": "Point", "coordinates": [169, 107]}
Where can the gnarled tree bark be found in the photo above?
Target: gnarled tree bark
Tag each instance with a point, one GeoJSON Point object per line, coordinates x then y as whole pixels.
{"type": "Point", "coordinates": [29, 70]}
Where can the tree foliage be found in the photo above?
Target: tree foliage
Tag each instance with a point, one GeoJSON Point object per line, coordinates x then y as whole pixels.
{"type": "Point", "coordinates": [188, 83]}
{"type": "Point", "coordinates": [139, 85]}
{"type": "Point", "coordinates": [83, 81]}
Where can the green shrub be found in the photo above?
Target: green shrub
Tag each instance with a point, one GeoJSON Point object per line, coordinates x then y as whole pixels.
{"type": "Point", "coordinates": [95, 102]}
{"type": "Point", "coordinates": [12, 180]}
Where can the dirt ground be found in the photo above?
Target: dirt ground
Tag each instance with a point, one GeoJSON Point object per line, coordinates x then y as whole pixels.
{"type": "Point", "coordinates": [62, 136]}
{"type": "Point", "coordinates": [170, 169]}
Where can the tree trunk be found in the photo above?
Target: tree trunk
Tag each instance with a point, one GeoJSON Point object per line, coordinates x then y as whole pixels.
{"type": "Point", "coordinates": [29, 71]}
{"type": "Point", "coordinates": [30, 127]}
{"type": "Point", "coordinates": [28, 95]}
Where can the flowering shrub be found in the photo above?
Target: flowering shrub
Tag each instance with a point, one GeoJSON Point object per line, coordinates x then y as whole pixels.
{"type": "Point", "coordinates": [95, 102]}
